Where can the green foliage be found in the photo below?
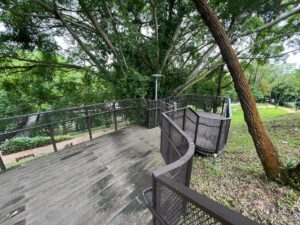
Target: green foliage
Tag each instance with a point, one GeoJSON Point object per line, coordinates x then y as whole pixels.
{"type": "Point", "coordinates": [23, 143]}
{"type": "Point", "coordinates": [286, 89]}
{"type": "Point", "coordinates": [116, 57]}
{"type": "Point", "coordinates": [257, 93]}
{"type": "Point", "coordinates": [131, 84]}
{"type": "Point", "coordinates": [290, 174]}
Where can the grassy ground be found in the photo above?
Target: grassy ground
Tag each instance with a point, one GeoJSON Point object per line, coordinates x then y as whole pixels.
{"type": "Point", "coordinates": [236, 178]}
{"type": "Point", "coordinates": [23, 161]}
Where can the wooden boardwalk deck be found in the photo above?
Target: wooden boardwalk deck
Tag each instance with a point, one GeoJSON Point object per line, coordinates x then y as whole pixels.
{"type": "Point", "coordinates": [96, 182]}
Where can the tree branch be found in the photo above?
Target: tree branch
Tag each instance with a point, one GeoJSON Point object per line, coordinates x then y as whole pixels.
{"type": "Point", "coordinates": [108, 10]}
{"type": "Point", "coordinates": [46, 63]}
{"type": "Point", "coordinates": [198, 78]}
{"type": "Point", "coordinates": [172, 45]}
{"type": "Point", "coordinates": [272, 23]}
{"type": "Point", "coordinates": [154, 14]}
{"type": "Point", "coordinates": [272, 56]}
{"type": "Point", "coordinates": [100, 32]}
{"type": "Point", "coordinates": [201, 59]}
{"type": "Point", "coordinates": [60, 17]}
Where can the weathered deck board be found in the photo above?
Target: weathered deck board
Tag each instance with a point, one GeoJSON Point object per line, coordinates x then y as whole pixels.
{"type": "Point", "coordinates": [96, 182]}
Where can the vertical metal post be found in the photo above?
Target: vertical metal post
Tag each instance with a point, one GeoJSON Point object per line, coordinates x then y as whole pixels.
{"type": "Point", "coordinates": [223, 106]}
{"type": "Point", "coordinates": [155, 122]}
{"type": "Point", "coordinates": [51, 131]}
{"type": "Point", "coordinates": [115, 116]}
{"type": "Point", "coordinates": [183, 121]}
{"type": "Point", "coordinates": [156, 87]}
{"type": "Point", "coordinates": [196, 132]}
{"type": "Point", "coordinates": [220, 131]}
{"type": "Point", "coordinates": [154, 199]}
{"type": "Point", "coordinates": [88, 122]}
{"type": "Point", "coordinates": [2, 166]}
{"type": "Point", "coordinates": [148, 113]}
{"type": "Point", "coordinates": [227, 130]}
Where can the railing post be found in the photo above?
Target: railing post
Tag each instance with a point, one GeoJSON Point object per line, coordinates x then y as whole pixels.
{"type": "Point", "coordinates": [51, 131]}
{"type": "Point", "coordinates": [227, 130]}
{"type": "Point", "coordinates": [115, 116]}
{"type": "Point", "coordinates": [2, 166]}
{"type": "Point", "coordinates": [219, 135]}
{"type": "Point", "coordinates": [183, 122]}
{"type": "Point", "coordinates": [88, 122]}
{"type": "Point", "coordinates": [155, 121]}
{"type": "Point", "coordinates": [223, 106]}
{"type": "Point", "coordinates": [149, 114]}
{"type": "Point", "coordinates": [154, 197]}
{"type": "Point", "coordinates": [196, 132]}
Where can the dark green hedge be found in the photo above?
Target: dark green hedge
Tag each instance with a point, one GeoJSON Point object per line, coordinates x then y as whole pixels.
{"type": "Point", "coordinates": [23, 143]}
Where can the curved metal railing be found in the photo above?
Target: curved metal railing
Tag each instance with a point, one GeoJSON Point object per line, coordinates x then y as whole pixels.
{"type": "Point", "coordinates": [172, 200]}
{"type": "Point", "coordinates": [214, 120]}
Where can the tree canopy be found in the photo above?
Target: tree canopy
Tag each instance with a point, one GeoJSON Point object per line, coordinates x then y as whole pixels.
{"type": "Point", "coordinates": [119, 44]}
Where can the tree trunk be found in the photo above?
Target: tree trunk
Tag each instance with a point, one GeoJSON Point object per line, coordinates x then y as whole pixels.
{"type": "Point", "coordinates": [264, 146]}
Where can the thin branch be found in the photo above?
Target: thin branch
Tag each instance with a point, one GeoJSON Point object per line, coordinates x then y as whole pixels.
{"type": "Point", "coordinates": [198, 78]}
{"type": "Point", "coordinates": [154, 14]}
{"type": "Point", "coordinates": [284, 5]}
{"type": "Point", "coordinates": [202, 59]}
{"type": "Point", "coordinates": [47, 63]}
{"type": "Point", "coordinates": [108, 10]}
{"type": "Point", "coordinates": [270, 24]}
{"type": "Point", "coordinates": [272, 56]}
{"type": "Point", "coordinates": [59, 16]}
{"type": "Point", "coordinates": [99, 30]}
{"type": "Point", "coordinates": [172, 45]}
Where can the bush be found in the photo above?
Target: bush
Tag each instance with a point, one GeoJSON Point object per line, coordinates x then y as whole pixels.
{"type": "Point", "coordinates": [23, 143]}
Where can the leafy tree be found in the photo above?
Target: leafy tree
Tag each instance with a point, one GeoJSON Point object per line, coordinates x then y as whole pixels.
{"type": "Point", "coordinates": [257, 94]}
{"type": "Point", "coordinates": [43, 88]}
{"type": "Point", "coordinates": [264, 146]}
{"type": "Point", "coordinates": [286, 89]}
{"type": "Point", "coordinates": [123, 43]}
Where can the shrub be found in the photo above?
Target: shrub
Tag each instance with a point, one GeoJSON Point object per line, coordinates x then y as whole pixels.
{"type": "Point", "coordinates": [23, 143]}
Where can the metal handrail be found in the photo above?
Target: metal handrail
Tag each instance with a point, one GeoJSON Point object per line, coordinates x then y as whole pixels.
{"type": "Point", "coordinates": [207, 205]}
{"type": "Point", "coordinates": [150, 207]}
{"type": "Point", "coordinates": [185, 158]}
{"type": "Point", "coordinates": [64, 121]}
{"type": "Point", "coordinates": [90, 111]}
{"type": "Point", "coordinates": [213, 209]}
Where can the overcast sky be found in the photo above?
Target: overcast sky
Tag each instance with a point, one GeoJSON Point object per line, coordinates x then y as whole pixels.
{"type": "Point", "coordinates": [295, 59]}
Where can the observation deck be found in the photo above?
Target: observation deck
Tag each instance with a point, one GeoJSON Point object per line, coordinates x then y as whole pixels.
{"type": "Point", "coordinates": [96, 182]}
{"type": "Point", "coordinates": [108, 180]}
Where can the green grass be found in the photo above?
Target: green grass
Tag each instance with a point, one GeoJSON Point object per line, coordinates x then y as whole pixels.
{"type": "Point", "coordinates": [265, 113]}
{"type": "Point", "coordinates": [23, 161]}
{"type": "Point", "coordinates": [236, 177]}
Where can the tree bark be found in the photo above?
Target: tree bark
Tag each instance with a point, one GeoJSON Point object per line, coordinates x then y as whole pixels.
{"type": "Point", "coordinates": [264, 146]}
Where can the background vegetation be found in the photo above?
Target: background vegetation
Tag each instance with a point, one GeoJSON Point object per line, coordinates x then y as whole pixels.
{"type": "Point", "coordinates": [237, 179]}
{"type": "Point", "coordinates": [56, 54]}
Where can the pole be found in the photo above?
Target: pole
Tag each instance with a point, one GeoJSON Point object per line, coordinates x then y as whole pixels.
{"type": "Point", "coordinates": [51, 131]}
{"type": "Point", "coordinates": [156, 76]}
{"type": "Point", "coordinates": [88, 122]}
{"type": "Point", "coordinates": [115, 116]}
{"type": "Point", "coordinates": [156, 84]}
{"type": "Point", "coordinates": [2, 166]}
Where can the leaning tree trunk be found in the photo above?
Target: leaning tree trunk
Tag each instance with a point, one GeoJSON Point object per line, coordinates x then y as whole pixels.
{"type": "Point", "coordinates": [264, 146]}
